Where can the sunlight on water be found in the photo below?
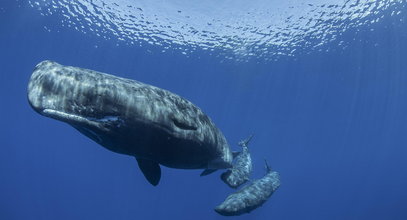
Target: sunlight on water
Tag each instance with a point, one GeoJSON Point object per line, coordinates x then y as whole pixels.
{"type": "Point", "coordinates": [231, 29]}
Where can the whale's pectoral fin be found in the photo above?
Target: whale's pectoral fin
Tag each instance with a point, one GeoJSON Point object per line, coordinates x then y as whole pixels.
{"type": "Point", "coordinates": [207, 172]}
{"type": "Point", "coordinates": [151, 170]}
{"type": "Point", "coordinates": [235, 154]}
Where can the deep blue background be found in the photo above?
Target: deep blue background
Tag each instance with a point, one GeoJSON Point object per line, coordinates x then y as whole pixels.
{"type": "Point", "coordinates": [334, 124]}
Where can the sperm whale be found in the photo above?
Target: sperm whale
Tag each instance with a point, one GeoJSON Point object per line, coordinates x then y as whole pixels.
{"type": "Point", "coordinates": [250, 196]}
{"type": "Point", "coordinates": [242, 166]}
{"type": "Point", "coordinates": [153, 125]}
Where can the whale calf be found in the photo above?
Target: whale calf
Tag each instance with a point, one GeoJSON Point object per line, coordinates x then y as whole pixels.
{"type": "Point", "coordinates": [155, 126]}
{"type": "Point", "coordinates": [242, 166]}
{"type": "Point", "coordinates": [250, 196]}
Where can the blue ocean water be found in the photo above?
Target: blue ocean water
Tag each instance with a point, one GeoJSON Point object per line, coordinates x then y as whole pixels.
{"type": "Point", "coordinates": [321, 85]}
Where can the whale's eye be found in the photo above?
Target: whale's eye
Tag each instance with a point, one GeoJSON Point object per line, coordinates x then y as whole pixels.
{"type": "Point", "coordinates": [183, 125]}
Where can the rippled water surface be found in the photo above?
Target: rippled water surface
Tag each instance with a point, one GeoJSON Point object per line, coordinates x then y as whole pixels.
{"type": "Point", "coordinates": [231, 29]}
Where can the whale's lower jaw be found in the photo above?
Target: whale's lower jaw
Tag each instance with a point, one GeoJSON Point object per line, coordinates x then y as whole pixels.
{"type": "Point", "coordinates": [68, 118]}
{"type": "Point", "coordinates": [74, 119]}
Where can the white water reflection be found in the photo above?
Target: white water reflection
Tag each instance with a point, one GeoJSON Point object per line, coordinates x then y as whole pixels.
{"type": "Point", "coordinates": [233, 29]}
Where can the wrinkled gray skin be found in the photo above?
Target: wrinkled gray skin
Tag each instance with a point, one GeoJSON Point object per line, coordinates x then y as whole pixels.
{"type": "Point", "coordinates": [242, 167]}
{"type": "Point", "coordinates": [250, 196]}
{"type": "Point", "coordinates": [129, 117]}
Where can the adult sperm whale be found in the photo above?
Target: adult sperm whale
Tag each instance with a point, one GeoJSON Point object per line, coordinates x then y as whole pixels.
{"type": "Point", "coordinates": [130, 117]}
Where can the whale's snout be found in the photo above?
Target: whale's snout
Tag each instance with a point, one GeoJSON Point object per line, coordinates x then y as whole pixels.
{"type": "Point", "coordinates": [38, 85]}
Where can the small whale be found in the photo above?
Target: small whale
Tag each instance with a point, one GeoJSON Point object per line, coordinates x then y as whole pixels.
{"type": "Point", "coordinates": [242, 167]}
{"type": "Point", "coordinates": [250, 196]}
{"type": "Point", "coordinates": [155, 126]}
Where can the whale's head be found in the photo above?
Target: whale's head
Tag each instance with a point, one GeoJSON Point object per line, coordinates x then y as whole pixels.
{"type": "Point", "coordinates": [129, 117]}
{"type": "Point", "coordinates": [61, 94]}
